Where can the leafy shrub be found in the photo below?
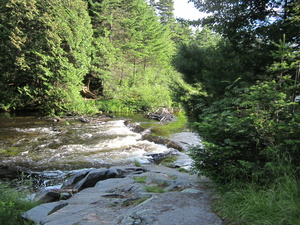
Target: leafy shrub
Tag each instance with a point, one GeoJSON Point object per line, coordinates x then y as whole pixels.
{"type": "Point", "coordinates": [12, 204]}
{"type": "Point", "coordinates": [246, 132]}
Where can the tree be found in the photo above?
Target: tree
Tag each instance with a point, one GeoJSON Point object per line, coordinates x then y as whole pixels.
{"type": "Point", "coordinates": [250, 135]}
{"type": "Point", "coordinates": [245, 21]}
{"type": "Point", "coordinates": [166, 11]}
{"type": "Point", "coordinates": [48, 57]}
{"type": "Point", "coordinates": [130, 43]}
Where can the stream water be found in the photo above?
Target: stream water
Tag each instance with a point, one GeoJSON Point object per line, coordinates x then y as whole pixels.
{"type": "Point", "coordinates": [46, 146]}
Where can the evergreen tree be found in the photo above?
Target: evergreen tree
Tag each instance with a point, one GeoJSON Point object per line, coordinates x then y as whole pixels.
{"type": "Point", "coordinates": [48, 57]}
{"type": "Point", "coordinates": [131, 42]}
{"type": "Point", "coordinates": [245, 21]}
{"type": "Point", "coordinates": [166, 11]}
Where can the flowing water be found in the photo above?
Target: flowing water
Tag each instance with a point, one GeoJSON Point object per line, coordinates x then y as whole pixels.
{"type": "Point", "coordinates": [44, 145]}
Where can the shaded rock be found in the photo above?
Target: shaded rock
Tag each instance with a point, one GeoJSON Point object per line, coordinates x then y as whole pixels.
{"type": "Point", "coordinates": [84, 120]}
{"type": "Point", "coordinates": [104, 119]}
{"type": "Point", "coordinates": [8, 172]}
{"type": "Point", "coordinates": [136, 127]}
{"type": "Point", "coordinates": [91, 179]}
{"type": "Point", "coordinates": [114, 173]}
{"type": "Point", "coordinates": [47, 195]}
{"type": "Point", "coordinates": [74, 179]}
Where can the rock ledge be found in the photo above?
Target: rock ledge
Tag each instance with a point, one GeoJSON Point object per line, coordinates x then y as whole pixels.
{"type": "Point", "coordinates": [155, 195]}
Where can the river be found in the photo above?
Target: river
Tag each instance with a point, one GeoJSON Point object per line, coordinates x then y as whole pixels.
{"type": "Point", "coordinates": [54, 148]}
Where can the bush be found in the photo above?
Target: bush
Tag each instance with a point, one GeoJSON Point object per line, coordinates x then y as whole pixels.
{"type": "Point", "coordinates": [246, 132]}
{"type": "Point", "coordinates": [12, 204]}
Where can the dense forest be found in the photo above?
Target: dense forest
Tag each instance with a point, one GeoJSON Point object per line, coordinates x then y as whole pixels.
{"type": "Point", "coordinates": [80, 56]}
{"type": "Point", "coordinates": [236, 77]}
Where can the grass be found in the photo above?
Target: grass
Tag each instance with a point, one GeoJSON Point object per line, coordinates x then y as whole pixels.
{"type": "Point", "coordinates": [278, 204]}
{"type": "Point", "coordinates": [137, 163]}
{"type": "Point", "coordinates": [155, 189]}
{"type": "Point", "coordinates": [172, 127]}
{"type": "Point", "coordinates": [133, 202]}
{"type": "Point", "coordinates": [12, 205]}
{"type": "Point", "coordinates": [141, 179]}
{"type": "Point", "coordinates": [169, 161]}
{"type": "Point", "coordinates": [183, 170]}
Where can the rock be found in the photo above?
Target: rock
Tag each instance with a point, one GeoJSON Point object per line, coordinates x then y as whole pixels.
{"type": "Point", "coordinates": [91, 179]}
{"type": "Point", "coordinates": [38, 213]}
{"type": "Point", "coordinates": [47, 195]}
{"type": "Point", "coordinates": [162, 115]}
{"type": "Point", "coordinates": [172, 208]}
{"type": "Point", "coordinates": [158, 157]}
{"type": "Point", "coordinates": [125, 201]}
{"type": "Point", "coordinates": [74, 179]}
{"type": "Point", "coordinates": [7, 172]}
{"type": "Point", "coordinates": [163, 141]}
{"type": "Point", "coordinates": [84, 120]}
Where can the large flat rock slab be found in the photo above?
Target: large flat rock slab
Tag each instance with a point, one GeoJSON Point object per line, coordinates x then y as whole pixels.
{"type": "Point", "coordinates": [182, 208]}
{"type": "Point", "coordinates": [126, 201]}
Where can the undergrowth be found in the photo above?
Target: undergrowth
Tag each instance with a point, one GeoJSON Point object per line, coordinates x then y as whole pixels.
{"type": "Point", "coordinates": [277, 204]}
{"type": "Point", "coordinates": [12, 205]}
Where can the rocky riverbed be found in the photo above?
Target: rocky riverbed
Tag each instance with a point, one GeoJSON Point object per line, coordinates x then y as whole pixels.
{"type": "Point", "coordinates": [128, 195]}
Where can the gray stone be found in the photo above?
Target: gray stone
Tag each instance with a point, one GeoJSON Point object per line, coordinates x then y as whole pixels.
{"type": "Point", "coordinates": [175, 208]}
{"type": "Point", "coordinates": [38, 213]}
{"type": "Point", "coordinates": [46, 195]}
{"type": "Point", "coordinates": [74, 179]}
{"type": "Point", "coordinates": [124, 201]}
{"type": "Point", "coordinates": [91, 179]}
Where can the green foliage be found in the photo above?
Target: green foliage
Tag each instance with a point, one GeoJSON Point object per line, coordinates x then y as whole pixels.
{"type": "Point", "coordinates": [169, 161]}
{"type": "Point", "coordinates": [246, 134]}
{"type": "Point", "coordinates": [140, 179]}
{"type": "Point", "coordinates": [155, 189]}
{"type": "Point", "coordinates": [48, 58]}
{"type": "Point", "coordinates": [243, 21]}
{"type": "Point", "coordinates": [133, 202]}
{"type": "Point", "coordinates": [137, 163]}
{"type": "Point", "coordinates": [249, 204]}
{"type": "Point", "coordinates": [54, 53]}
{"type": "Point", "coordinates": [172, 127]}
{"type": "Point", "coordinates": [12, 151]}
{"type": "Point", "coordinates": [12, 204]}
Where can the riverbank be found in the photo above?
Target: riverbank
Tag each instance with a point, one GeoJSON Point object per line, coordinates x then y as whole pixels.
{"type": "Point", "coordinates": [151, 194]}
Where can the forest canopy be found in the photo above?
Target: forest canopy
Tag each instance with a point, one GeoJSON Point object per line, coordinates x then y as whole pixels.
{"type": "Point", "coordinates": [58, 54]}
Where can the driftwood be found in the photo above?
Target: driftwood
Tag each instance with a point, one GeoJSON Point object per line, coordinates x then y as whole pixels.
{"type": "Point", "coordinates": [162, 115]}
{"type": "Point", "coordinates": [87, 93]}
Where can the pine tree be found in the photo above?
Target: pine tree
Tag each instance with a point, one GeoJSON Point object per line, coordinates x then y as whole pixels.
{"type": "Point", "coordinates": [166, 11]}
{"type": "Point", "coordinates": [48, 46]}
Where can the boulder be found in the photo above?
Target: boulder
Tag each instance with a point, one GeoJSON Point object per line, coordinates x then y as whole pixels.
{"type": "Point", "coordinates": [47, 195]}
{"type": "Point", "coordinates": [91, 179]}
{"type": "Point", "coordinates": [74, 179]}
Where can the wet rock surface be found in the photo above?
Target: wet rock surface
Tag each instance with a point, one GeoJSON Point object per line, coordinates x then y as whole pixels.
{"type": "Point", "coordinates": [152, 194]}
